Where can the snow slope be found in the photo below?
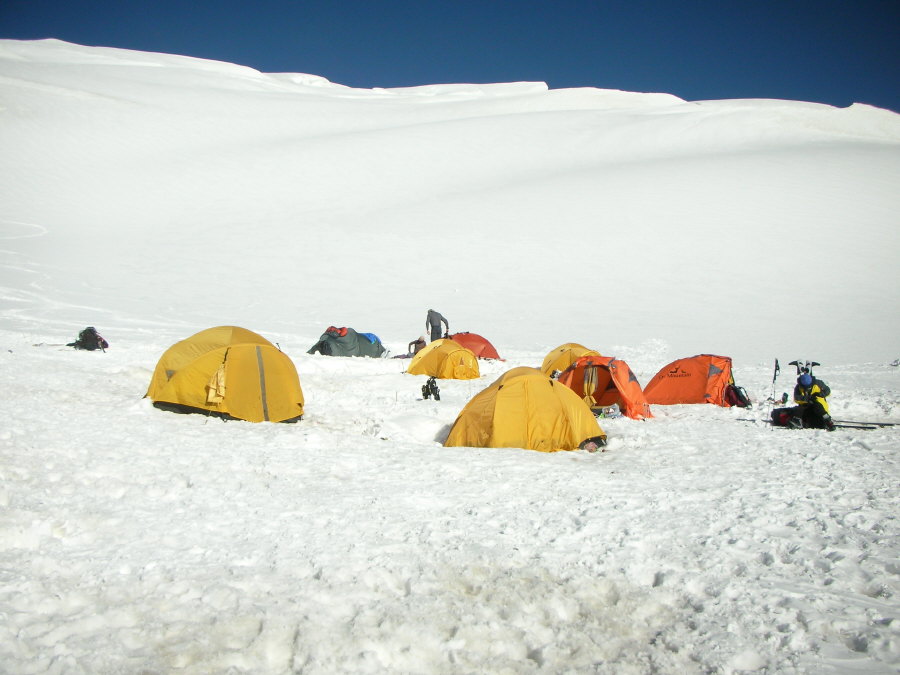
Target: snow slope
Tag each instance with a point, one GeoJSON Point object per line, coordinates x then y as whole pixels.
{"type": "Point", "coordinates": [156, 195]}
{"type": "Point", "coordinates": [612, 197]}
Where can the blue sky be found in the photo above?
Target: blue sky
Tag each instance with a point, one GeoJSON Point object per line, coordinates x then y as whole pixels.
{"type": "Point", "coordinates": [829, 51]}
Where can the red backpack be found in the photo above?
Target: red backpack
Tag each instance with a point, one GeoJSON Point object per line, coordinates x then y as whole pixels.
{"type": "Point", "coordinates": [737, 396]}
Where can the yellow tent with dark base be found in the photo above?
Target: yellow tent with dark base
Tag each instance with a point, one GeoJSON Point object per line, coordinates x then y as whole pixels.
{"type": "Point", "coordinates": [564, 356]}
{"type": "Point", "coordinates": [228, 371]}
{"type": "Point", "coordinates": [446, 360]}
{"type": "Point", "coordinates": [524, 408]}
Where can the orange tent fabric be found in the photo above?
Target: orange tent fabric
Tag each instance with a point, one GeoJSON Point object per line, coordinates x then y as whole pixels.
{"type": "Point", "coordinates": [604, 380]}
{"type": "Point", "coordinates": [703, 378]}
{"type": "Point", "coordinates": [476, 344]}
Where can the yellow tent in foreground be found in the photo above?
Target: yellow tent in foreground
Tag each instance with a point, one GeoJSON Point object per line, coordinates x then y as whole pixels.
{"type": "Point", "coordinates": [447, 360]}
{"type": "Point", "coordinates": [524, 408]}
{"type": "Point", "coordinates": [564, 356]}
{"type": "Point", "coordinates": [229, 371]}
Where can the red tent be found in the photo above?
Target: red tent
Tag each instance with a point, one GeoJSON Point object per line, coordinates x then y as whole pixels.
{"type": "Point", "coordinates": [477, 345]}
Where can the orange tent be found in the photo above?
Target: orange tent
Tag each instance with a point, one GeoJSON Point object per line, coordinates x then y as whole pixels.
{"type": "Point", "coordinates": [696, 379]}
{"type": "Point", "coordinates": [604, 380]}
{"type": "Point", "coordinates": [477, 345]}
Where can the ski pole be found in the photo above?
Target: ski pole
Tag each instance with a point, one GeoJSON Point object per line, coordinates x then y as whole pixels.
{"type": "Point", "coordinates": [876, 424]}
{"type": "Point", "coordinates": [772, 397]}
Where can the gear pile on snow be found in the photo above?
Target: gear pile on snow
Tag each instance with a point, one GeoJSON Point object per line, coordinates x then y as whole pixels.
{"type": "Point", "coordinates": [90, 340]}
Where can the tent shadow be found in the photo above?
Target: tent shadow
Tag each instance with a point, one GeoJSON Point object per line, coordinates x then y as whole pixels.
{"type": "Point", "coordinates": [443, 433]}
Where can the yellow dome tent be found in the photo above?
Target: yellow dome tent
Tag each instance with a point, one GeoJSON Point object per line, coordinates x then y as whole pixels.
{"type": "Point", "coordinates": [229, 371]}
{"type": "Point", "coordinates": [564, 356]}
{"type": "Point", "coordinates": [445, 360]}
{"type": "Point", "coordinates": [524, 408]}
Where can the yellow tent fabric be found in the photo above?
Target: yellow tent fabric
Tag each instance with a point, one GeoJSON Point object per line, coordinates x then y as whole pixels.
{"type": "Point", "coordinates": [230, 371]}
{"type": "Point", "coordinates": [524, 408]}
{"type": "Point", "coordinates": [590, 385]}
{"type": "Point", "coordinates": [215, 388]}
{"type": "Point", "coordinates": [564, 356]}
{"type": "Point", "coordinates": [446, 360]}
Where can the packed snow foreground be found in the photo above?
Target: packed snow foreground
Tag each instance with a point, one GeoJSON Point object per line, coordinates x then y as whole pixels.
{"type": "Point", "coordinates": [136, 540]}
{"type": "Point", "coordinates": [154, 196]}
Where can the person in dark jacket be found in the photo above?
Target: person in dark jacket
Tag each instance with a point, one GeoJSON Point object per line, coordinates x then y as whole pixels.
{"type": "Point", "coordinates": [433, 324]}
{"type": "Point", "coordinates": [416, 346]}
{"type": "Point", "coordinates": [810, 395]}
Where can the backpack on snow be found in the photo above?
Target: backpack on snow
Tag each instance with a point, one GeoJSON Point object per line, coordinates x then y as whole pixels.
{"type": "Point", "coordinates": [788, 417]}
{"type": "Point", "coordinates": [90, 340]}
{"type": "Point", "coordinates": [737, 396]}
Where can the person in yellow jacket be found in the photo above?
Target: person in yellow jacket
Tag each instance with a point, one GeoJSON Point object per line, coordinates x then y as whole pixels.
{"type": "Point", "coordinates": [810, 395]}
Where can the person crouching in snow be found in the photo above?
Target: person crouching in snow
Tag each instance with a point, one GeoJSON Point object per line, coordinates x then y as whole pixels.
{"type": "Point", "coordinates": [416, 346]}
{"type": "Point", "coordinates": [812, 407]}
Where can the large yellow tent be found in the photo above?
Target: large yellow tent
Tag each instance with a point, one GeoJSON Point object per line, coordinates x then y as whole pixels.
{"type": "Point", "coordinates": [524, 408]}
{"type": "Point", "coordinates": [446, 360]}
{"type": "Point", "coordinates": [564, 356]}
{"type": "Point", "coordinates": [229, 371]}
